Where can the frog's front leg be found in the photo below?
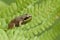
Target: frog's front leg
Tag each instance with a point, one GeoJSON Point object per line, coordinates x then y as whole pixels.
{"type": "Point", "coordinates": [20, 23]}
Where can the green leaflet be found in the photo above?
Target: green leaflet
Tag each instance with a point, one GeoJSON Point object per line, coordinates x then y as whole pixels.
{"type": "Point", "coordinates": [3, 35]}
{"type": "Point", "coordinates": [43, 26]}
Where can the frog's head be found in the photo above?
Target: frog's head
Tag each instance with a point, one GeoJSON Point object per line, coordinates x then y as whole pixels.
{"type": "Point", "coordinates": [27, 17]}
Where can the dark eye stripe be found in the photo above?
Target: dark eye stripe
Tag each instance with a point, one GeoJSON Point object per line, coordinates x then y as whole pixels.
{"type": "Point", "coordinates": [26, 18]}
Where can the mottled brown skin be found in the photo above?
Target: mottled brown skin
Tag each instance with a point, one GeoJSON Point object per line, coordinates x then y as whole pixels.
{"type": "Point", "coordinates": [19, 21]}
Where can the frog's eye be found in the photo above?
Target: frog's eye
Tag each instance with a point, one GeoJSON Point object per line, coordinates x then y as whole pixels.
{"type": "Point", "coordinates": [28, 15]}
{"type": "Point", "coordinates": [26, 18]}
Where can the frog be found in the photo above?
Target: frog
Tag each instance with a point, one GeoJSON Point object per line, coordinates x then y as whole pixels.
{"type": "Point", "coordinates": [20, 20]}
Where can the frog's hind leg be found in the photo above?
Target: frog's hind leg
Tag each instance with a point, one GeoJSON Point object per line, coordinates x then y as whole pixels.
{"type": "Point", "coordinates": [17, 24]}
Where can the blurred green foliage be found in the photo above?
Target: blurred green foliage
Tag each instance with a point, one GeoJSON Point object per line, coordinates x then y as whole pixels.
{"type": "Point", "coordinates": [45, 23]}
